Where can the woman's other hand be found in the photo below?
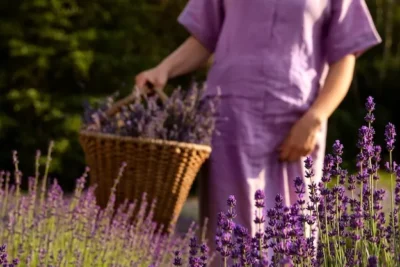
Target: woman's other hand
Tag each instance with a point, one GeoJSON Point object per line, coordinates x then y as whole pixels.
{"type": "Point", "coordinates": [303, 135]}
{"type": "Point", "coordinates": [302, 138]}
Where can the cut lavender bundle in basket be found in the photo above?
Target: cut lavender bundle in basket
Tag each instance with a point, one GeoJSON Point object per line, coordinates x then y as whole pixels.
{"type": "Point", "coordinates": [187, 116]}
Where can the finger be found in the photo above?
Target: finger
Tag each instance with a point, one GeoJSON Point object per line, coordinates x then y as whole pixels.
{"type": "Point", "coordinates": [158, 84]}
{"type": "Point", "coordinates": [154, 88]}
{"type": "Point", "coordinates": [140, 80]}
{"type": "Point", "coordinates": [284, 144]}
{"type": "Point", "coordinates": [284, 148]}
{"type": "Point", "coordinates": [303, 151]}
{"type": "Point", "coordinates": [149, 91]}
{"type": "Point", "coordinates": [295, 154]}
{"type": "Point", "coordinates": [309, 148]}
{"type": "Point", "coordinates": [285, 152]}
{"type": "Point", "coordinates": [148, 87]}
{"type": "Point", "coordinates": [306, 152]}
{"type": "Point", "coordinates": [143, 90]}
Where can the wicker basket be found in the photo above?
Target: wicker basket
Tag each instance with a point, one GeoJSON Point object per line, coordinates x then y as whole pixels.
{"type": "Point", "coordinates": [164, 170]}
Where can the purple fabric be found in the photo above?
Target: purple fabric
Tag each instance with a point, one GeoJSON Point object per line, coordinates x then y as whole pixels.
{"type": "Point", "coordinates": [244, 159]}
{"type": "Point", "coordinates": [204, 20]}
{"type": "Point", "coordinates": [275, 46]}
{"type": "Point", "coordinates": [350, 30]}
{"type": "Point", "coordinates": [270, 59]}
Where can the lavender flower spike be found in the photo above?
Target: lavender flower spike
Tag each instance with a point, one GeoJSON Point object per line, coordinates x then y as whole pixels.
{"type": "Point", "coordinates": [390, 136]}
{"type": "Point", "coordinates": [178, 259]}
{"type": "Point", "coordinates": [370, 107]}
{"type": "Point", "coordinates": [372, 261]}
{"type": "Point", "coordinates": [231, 201]}
{"type": "Point", "coordinates": [370, 104]}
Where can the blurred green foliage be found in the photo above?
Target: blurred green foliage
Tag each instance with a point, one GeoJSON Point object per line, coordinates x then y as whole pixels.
{"type": "Point", "coordinates": [56, 53]}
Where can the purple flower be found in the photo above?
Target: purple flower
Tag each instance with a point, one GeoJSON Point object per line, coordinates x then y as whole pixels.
{"type": "Point", "coordinates": [308, 164]}
{"type": "Point", "coordinates": [365, 136]}
{"type": "Point", "coordinates": [204, 249]}
{"type": "Point", "coordinates": [369, 118]}
{"type": "Point", "coordinates": [337, 148]}
{"type": "Point", "coordinates": [195, 262]}
{"type": "Point", "coordinates": [240, 232]}
{"type": "Point", "coordinates": [370, 104]}
{"type": "Point", "coordinates": [231, 201]}
{"type": "Point", "coordinates": [370, 107]}
{"type": "Point", "coordinates": [187, 116]}
{"type": "Point", "coordinates": [391, 168]}
{"type": "Point", "coordinates": [390, 136]}
{"type": "Point", "coordinates": [300, 190]}
{"type": "Point", "coordinates": [260, 219]}
{"type": "Point", "coordinates": [193, 246]}
{"type": "Point", "coordinates": [259, 197]}
{"type": "Point", "coordinates": [372, 261]}
{"type": "Point", "coordinates": [329, 163]}
{"type": "Point", "coordinates": [4, 258]}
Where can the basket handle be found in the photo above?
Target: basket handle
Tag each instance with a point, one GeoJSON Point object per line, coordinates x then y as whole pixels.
{"type": "Point", "coordinates": [131, 98]}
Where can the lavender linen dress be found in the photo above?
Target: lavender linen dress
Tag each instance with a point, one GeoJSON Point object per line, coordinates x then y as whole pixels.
{"type": "Point", "coordinates": [270, 60]}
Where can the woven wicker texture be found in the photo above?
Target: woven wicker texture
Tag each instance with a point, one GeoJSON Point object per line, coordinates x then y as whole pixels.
{"type": "Point", "coordinates": [165, 170]}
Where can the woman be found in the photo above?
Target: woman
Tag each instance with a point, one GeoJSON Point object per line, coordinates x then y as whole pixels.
{"type": "Point", "coordinates": [283, 66]}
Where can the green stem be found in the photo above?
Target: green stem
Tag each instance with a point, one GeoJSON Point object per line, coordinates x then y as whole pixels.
{"type": "Point", "coordinates": [46, 173]}
{"type": "Point", "coordinates": [361, 205]}
{"type": "Point", "coordinates": [260, 231]}
{"type": "Point", "coordinates": [371, 201]}
{"type": "Point", "coordinates": [361, 210]}
{"type": "Point", "coordinates": [392, 197]}
{"type": "Point", "coordinates": [338, 215]}
{"type": "Point", "coordinates": [327, 232]}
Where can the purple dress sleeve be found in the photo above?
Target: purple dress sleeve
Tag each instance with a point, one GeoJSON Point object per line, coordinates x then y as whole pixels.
{"type": "Point", "coordinates": [350, 31]}
{"type": "Point", "coordinates": [203, 19]}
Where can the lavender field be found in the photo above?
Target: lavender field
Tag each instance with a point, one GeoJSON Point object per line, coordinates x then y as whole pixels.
{"type": "Point", "coordinates": [190, 211]}
{"type": "Point", "coordinates": [354, 217]}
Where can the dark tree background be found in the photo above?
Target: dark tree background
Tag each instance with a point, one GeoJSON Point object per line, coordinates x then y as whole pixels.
{"type": "Point", "coordinates": [54, 54]}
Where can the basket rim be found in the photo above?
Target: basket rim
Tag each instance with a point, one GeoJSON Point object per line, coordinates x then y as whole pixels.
{"type": "Point", "coordinates": [204, 148]}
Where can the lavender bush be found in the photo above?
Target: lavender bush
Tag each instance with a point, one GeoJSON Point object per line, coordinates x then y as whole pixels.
{"type": "Point", "coordinates": [45, 228]}
{"type": "Point", "coordinates": [347, 219]}
{"type": "Point", "coordinates": [185, 117]}
{"type": "Point", "coordinates": [344, 213]}
{"type": "Point", "coordinates": [4, 261]}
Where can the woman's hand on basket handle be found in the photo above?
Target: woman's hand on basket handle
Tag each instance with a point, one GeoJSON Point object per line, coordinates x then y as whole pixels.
{"type": "Point", "coordinates": [153, 78]}
{"type": "Point", "coordinates": [190, 56]}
